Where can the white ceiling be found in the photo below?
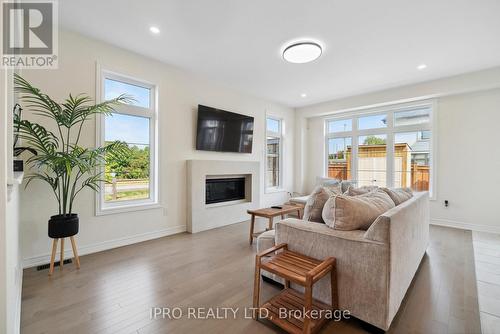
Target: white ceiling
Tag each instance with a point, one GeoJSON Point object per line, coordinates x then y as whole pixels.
{"type": "Point", "coordinates": [368, 45]}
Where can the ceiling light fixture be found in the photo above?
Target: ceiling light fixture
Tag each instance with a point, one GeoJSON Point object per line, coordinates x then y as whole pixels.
{"type": "Point", "coordinates": [303, 95]}
{"type": "Point", "coordinates": [303, 52]}
{"type": "Point", "coordinates": [421, 67]}
{"type": "Point", "coordinates": [154, 30]}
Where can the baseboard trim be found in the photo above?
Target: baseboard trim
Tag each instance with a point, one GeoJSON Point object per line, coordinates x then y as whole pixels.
{"type": "Point", "coordinates": [110, 244]}
{"type": "Point", "coordinates": [465, 226]}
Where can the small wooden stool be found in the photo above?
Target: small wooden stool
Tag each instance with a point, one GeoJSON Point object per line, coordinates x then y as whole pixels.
{"type": "Point", "coordinates": [301, 270]}
{"type": "Point", "coordinates": [61, 263]}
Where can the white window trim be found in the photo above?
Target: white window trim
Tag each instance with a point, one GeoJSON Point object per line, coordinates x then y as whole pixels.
{"type": "Point", "coordinates": [390, 131]}
{"type": "Point", "coordinates": [279, 187]}
{"type": "Point", "coordinates": [153, 202]}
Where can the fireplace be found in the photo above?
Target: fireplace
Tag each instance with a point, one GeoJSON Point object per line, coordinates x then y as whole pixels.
{"type": "Point", "coordinates": [202, 179]}
{"type": "Point", "coordinates": [218, 190]}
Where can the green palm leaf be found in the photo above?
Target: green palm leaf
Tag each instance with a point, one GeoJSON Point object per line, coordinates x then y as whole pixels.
{"type": "Point", "coordinates": [67, 167]}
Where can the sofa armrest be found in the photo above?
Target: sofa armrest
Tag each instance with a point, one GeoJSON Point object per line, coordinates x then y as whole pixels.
{"type": "Point", "coordinates": [411, 210]}
{"type": "Point", "coordinates": [405, 229]}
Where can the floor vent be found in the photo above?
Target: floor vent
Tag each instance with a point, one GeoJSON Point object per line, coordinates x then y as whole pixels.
{"type": "Point", "coordinates": [56, 264]}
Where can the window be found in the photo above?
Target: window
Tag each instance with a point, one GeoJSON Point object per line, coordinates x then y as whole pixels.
{"type": "Point", "coordinates": [340, 126]}
{"type": "Point", "coordinates": [372, 122]}
{"type": "Point", "coordinates": [372, 160]}
{"type": "Point", "coordinates": [339, 158]}
{"type": "Point", "coordinates": [412, 117]}
{"type": "Point", "coordinates": [273, 153]}
{"type": "Point", "coordinates": [390, 148]}
{"type": "Point", "coordinates": [130, 181]}
{"type": "Point", "coordinates": [412, 159]}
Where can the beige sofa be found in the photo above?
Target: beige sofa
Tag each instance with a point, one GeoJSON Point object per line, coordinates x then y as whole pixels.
{"type": "Point", "coordinates": [374, 267]}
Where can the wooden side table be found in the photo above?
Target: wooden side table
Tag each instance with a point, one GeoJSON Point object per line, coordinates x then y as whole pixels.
{"type": "Point", "coordinates": [270, 213]}
{"type": "Point", "coordinates": [302, 270]}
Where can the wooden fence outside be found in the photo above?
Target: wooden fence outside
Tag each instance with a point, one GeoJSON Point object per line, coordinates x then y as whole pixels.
{"type": "Point", "coordinates": [420, 175]}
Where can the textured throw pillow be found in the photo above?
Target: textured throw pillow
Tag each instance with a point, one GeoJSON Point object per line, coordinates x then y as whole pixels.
{"type": "Point", "coordinates": [334, 188]}
{"type": "Point", "coordinates": [351, 191]}
{"type": "Point", "coordinates": [314, 206]}
{"type": "Point", "coordinates": [348, 184]}
{"type": "Point", "coordinates": [349, 213]}
{"type": "Point", "coordinates": [327, 182]}
{"type": "Point", "coordinates": [399, 195]}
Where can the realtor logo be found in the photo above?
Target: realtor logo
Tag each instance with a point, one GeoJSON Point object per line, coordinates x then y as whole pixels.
{"type": "Point", "coordinates": [29, 34]}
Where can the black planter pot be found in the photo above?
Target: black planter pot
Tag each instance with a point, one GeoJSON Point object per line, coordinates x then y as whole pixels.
{"type": "Point", "coordinates": [63, 226]}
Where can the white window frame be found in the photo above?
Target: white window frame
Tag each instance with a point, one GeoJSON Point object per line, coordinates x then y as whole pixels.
{"type": "Point", "coordinates": [279, 135]}
{"type": "Point", "coordinates": [102, 207]}
{"type": "Point", "coordinates": [390, 131]}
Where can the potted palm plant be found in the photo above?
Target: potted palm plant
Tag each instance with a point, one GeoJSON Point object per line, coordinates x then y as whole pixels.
{"type": "Point", "coordinates": [60, 161]}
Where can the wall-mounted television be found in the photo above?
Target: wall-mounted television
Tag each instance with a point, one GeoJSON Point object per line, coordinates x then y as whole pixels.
{"type": "Point", "coordinates": [223, 131]}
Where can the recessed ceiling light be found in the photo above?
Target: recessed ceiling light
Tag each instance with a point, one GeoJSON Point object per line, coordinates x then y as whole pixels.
{"type": "Point", "coordinates": [303, 95]}
{"type": "Point", "coordinates": [421, 67]}
{"type": "Point", "coordinates": [154, 30]}
{"type": "Point", "coordinates": [303, 52]}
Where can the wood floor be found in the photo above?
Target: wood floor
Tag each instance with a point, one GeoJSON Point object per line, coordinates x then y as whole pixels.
{"type": "Point", "coordinates": [114, 290]}
{"type": "Point", "coordinates": [487, 260]}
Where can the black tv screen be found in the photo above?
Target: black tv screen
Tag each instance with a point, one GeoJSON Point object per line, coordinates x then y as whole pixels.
{"type": "Point", "coordinates": [223, 131]}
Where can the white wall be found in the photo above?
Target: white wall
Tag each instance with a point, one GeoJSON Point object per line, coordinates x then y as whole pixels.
{"type": "Point", "coordinates": [179, 94]}
{"type": "Point", "coordinates": [3, 204]}
{"type": "Point", "coordinates": [468, 159]}
{"type": "Point", "coordinates": [10, 255]}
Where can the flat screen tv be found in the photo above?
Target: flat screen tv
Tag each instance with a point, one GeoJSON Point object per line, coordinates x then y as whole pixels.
{"type": "Point", "coordinates": [223, 131]}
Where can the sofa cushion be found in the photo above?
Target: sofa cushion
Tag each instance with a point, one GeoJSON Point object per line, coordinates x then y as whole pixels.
{"type": "Point", "coordinates": [352, 191]}
{"type": "Point", "coordinates": [300, 200]}
{"type": "Point", "coordinates": [349, 213]}
{"type": "Point", "coordinates": [399, 195]}
{"type": "Point", "coordinates": [314, 207]}
{"type": "Point", "coordinates": [265, 241]}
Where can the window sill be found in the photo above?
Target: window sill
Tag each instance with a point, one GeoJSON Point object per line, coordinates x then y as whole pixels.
{"type": "Point", "coordinates": [127, 208]}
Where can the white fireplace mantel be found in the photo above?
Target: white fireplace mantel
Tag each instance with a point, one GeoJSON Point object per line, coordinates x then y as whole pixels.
{"type": "Point", "coordinates": [203, 216]}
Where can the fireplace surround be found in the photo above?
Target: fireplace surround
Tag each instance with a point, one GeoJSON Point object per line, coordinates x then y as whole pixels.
{"type": "Point", "coordinates": [215, 194]}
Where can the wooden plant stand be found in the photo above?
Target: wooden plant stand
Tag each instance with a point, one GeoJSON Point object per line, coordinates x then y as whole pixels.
{"type": "Point", "coordinates": [302, 270]}
{"type": "Point", "coordinates": [270, 213]}
{"type": "Point", "coordinates": [61, 263]}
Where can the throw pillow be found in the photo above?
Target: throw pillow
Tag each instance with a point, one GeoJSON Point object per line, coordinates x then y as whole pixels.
{"type": "Point", "coordinates": [399, 195]}
{"type": "Point", "coordinates": [328, 182]}
{"type": "Point", "coordinates": [314, 206]}
{"type": "Point", "coordinates": [349, 213]}
{"type": "Point", "coordinates": [347, 184]}
{"type": "Point", "coordinates": [351, 191]}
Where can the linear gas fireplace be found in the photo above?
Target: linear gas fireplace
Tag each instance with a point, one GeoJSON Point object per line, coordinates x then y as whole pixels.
{"type": "Point", "coordinates": [227, 189]}
{"type": "Point", "coordinates": [220, 192]}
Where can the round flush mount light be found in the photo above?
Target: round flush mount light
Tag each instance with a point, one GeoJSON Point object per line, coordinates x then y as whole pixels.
{"type": "Point", "coordinates": [154, 30]}
{"type": "Point", "coordinates": [303, 95]}
{"type": "Point", "coordinates": [303, 52]}
{"type": "Point", "coordinates": [421, 67]}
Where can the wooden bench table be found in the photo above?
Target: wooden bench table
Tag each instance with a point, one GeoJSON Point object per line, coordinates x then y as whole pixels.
{"type": "Point", "coordinates": [304, 271]}
{"type": "Point", "coordinates": [270, 213]}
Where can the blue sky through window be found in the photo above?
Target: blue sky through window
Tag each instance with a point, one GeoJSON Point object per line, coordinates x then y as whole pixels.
{"type": "Point", "coordinates": [273, 125]}
{"type": "Point", "coordinates": [372, 122]}
{"type": "Point", "coordinates": [113, 89]}
{"type": "Point", "coordinates": [339, 144]}
{"type": "Point", "coordinates": [340, 126]}
{"type": "Point", "coordinates": [132, 129]}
